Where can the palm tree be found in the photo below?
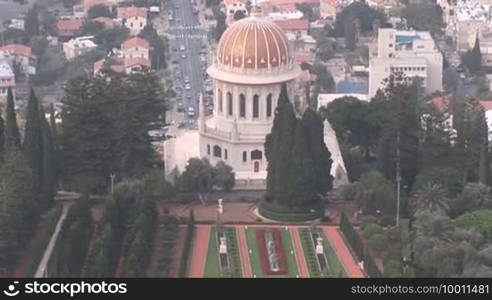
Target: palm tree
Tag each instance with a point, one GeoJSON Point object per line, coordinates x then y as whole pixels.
{"type": "Point", "coordinates": [431, 197]}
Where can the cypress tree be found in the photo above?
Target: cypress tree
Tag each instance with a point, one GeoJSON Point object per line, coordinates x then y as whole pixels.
{"type": "Point", "coordinates": [33, 144]}
{"type": "Point", "coordinates": [313, 123]}
{"type": "Point", "coordinates": [12, 136]}
{"type": "Point", "coordinates": [16, 207]}
{"type": "Point", "coordinates": [2, 137]}
{"type": "Point", "coordinates": [483, 170]}
{"type": "Point", "coordinates": [48, 163]}
{"type": "Point", "coordinates": [278, 146]}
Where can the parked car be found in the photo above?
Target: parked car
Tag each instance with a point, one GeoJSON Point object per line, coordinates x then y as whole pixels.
{"type": "Point", "coordinates": [191, 111]}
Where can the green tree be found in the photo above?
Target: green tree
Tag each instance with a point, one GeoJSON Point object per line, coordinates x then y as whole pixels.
{"type": "Point", "coordinates": [278, 145]}
{"type": "Point", "coordinates": [448, 178]}
{"type": "Point", "coordinates": [12, 136]}
{"type": "Point", "coordinates": [359, 10]}
{"type": "Point", "coordinates": [32, 21]}
{"type": "Point", "coordinates": [472, 59]}
{"type": "Point", "coordinates": [424, 16]}
{"type": "Point", "coordinates": [296, 183]}
{"type": "Point", "coordinates": [16, 207]}
{"type": "Point", "coordinates": [473, 196]}
{"type": "Point", "coordinates": [324, 79]}
{"type": "Point", "coordinates": [198, 177]}
{"type": "Point", "coordinates": [2, 137]}
{"type": "Point", "coordinates": [99, 10]}
{"type": "Point", "coordinates": [350, 34]}
{"type": "Point", "coordinates": [157, 46]}
{"type": "Point", "coordinates": [431, 197]}
{"type": "Point", "coordinates": [49, 163]}
{"type": "Point", "coordinates": [378, 194]}
{"type": "Point", "coordinates": [399, 113]}
{"type": "Point", "coordinates": [307, 11]}
{"type": "Point", "coordinates": [33, 145]}
{"type": "Point", "coordinates": [224, 177]}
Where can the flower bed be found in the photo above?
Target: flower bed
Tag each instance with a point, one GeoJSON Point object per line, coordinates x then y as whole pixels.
{"type": "Point", "coordinates": [265, 264]}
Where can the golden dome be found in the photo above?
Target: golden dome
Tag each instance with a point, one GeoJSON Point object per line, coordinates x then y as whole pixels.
{"type": "Point", "coordinates": [253, 43]}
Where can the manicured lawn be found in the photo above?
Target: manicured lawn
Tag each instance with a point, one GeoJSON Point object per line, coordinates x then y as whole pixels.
{"type": "Point", "coordinates": [290, 254]}
{"type": "Point", "coordinates": [336, 267]}
{"type": "Point", "coordinates": [212, 267]}
{"type": "Point", "coordinates": [254, 257]}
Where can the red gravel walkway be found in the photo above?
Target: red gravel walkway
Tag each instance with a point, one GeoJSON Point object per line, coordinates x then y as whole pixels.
{"type": "Point", "coordinates": [199, 254]}
{"type": "Point", "coordinates": [343, 252]}
{"type": "Point", "coordinates": [300, 258]}
{"type": "Point", "coordinates": [243, 250]}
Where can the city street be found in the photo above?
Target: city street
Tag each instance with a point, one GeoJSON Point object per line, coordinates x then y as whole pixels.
{"type": "Point", "coordinates": [188, 52]}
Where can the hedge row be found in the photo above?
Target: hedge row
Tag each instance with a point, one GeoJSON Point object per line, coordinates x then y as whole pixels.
{"type": "Point", "coordinates": [233, 252]}
{"type": "Point", "coordinates": [70, 250]}
{"type": "Point", "coordinates": [355, 242]}
{"type": "Point", "coordinates": [140, 240]}
{"type": "Point", "coordinates": [168, 245]}
{"type": "Point", "coordinates": [38, 250]}
{"type": "Point", "coordinates": [190, 231]}
{"type": "Point", "coordinates": [309, 252]}
{"type": "Point", "coordinates": [282, 214]}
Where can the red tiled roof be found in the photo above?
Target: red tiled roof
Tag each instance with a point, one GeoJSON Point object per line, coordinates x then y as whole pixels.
{"type": "Point", "coordinates": [107, 22]}
{"type": "Point", "coordinates": [137, 61]}
{"type": "Point", "coordinates": [134, 12]}
{"type": "Point", "coordinates": [300, 58]}
{"type": "Point", "coordinates": [441, 102]}
{"type": "Point", "coordinates": [18, 49]}
{"type": "Point", "coordinates": [286, 25]}
{"type": "Point", "coordinates": [135, 42]}
{"type": "Point", "coordinates": [283, 2]}
{"type": "Point", "coordinates": [69, 24]}
{"type": "Point", "coordinates": [487, 105]}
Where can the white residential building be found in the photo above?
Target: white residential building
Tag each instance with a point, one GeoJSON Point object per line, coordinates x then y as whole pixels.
{"type": "Point", "coordinates": [78, 46]}
{"type": "Point", "coordinates": [7, 79]}
{"type": "Point", "coordinates": [412, 52]}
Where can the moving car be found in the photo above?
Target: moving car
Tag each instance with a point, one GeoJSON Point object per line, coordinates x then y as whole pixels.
{"type": "Point", "coordinates": [183, 56]}
{"type": "Point", "coordinates": [191, 111]}
{"type": "Point", "coordinates": [188, 87]}
{"type": "Point", "coordinates": [182, 48]}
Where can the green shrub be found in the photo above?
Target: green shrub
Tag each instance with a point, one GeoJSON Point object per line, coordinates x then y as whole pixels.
{"type": "Point", "coordinates": [393, 268]}
{"type": "Point", "coordinates": [378, 242]}
{"type": "Point", "coordinates": [365, 220]}
{"type": "Point", "coordinates": [372, 229]}
{"type": "Point", "coordinates": [285, 215]}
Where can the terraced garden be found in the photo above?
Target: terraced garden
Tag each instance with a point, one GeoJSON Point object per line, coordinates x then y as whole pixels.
{"type": "Point", "coordinates": [335, 268]}
{"type": "Point", "coordinates": [255, 258]}
{"type": "Point", "coordinates": [212, 266]}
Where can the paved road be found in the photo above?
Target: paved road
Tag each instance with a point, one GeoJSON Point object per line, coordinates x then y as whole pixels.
{"type": "Point", "coordinates": [40, 272]}
{"type": "Point", "coordinates": [343, 252]}
{"type": "Point", "coordinates": [185, 30]}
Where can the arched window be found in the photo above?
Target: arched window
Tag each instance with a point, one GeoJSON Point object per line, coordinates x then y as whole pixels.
{"type": "Point", "coordinates": [208, 149]}
{"type": "Point", "coordinates": [245, 156]}
{"type": "Point", "coordinates": [269, 106]}
{"type": "Point", "coordinates": [229, 103]}
{"type": "Point", "coordinates": [257, 167]}
{"type": "Point", "coordinates": [217, 151]}
{"type": "Point", "coordinates": [256, 106]}
{"type": "Point", "coordinates": [225, 154]}
{"type": "Point", "coordinates": [219, 99]}
{"type": "Point", "coordinates": [256, 154]}
{"type": "Point", "coordinates": [242, 106]}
